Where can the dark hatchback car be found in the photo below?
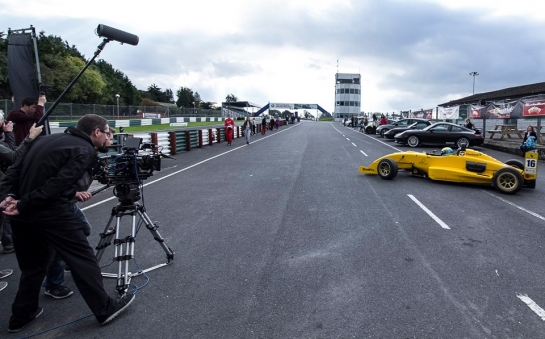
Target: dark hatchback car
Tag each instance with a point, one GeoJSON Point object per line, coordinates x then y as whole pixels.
{"type": "Point", "coordinates": [400, 123]}
{"type": "Point", "coordinates": [441, 133]}
{"type": "Point", "coordinates": [417, 125]}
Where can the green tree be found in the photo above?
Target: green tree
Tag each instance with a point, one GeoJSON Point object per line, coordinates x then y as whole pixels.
{"type": "Point", "coordinates": [89, 86]}
{"type": "Point", "coordinates": [117, 83]}
{"type": "Point", "coordinates": [231, 98]}
{"type": "Point", "coordinates": [207, 105]}
{"type": "Point", "coordinates": [4, 86]}
{"type": "Point", "coordinates": [185, 97]}
{"type": "Point", "coordinates": [197, 100]}
{"type": "Point", "coordinates": [168, 96]}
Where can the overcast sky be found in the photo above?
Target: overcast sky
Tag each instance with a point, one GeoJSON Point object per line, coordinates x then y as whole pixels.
{"type": "Point", "coordinates": [411, 54]}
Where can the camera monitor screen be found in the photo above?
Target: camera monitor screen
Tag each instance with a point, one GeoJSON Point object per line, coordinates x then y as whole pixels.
{"type": "Point", "coordinates": [133, 143]}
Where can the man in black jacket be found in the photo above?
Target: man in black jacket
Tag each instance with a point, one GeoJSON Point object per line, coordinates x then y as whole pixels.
{"type": "Point", "coordinates": [41, 187]}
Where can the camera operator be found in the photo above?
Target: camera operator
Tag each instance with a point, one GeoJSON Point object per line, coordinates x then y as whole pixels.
{"type": "Point", "coordinates": [41, 187]}
{"type": "Point", "coordinates": [30, 112]}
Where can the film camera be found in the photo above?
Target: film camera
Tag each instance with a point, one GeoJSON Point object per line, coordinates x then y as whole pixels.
{"type": "Point", "coordinates": [128, 169]}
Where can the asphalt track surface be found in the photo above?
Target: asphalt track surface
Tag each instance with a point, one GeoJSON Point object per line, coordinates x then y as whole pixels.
{"type": "Point", "coordinates": [283, 238]}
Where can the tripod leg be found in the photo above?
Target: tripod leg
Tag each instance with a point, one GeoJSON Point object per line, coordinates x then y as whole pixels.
{"type": "Point", "coordinates": [123, 253]}
{"type": "Point", "coordinates": [153, 229]}
{"type": "Point", "coordinates": [106, 237]}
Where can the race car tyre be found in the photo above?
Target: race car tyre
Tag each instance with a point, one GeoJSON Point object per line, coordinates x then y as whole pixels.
{"type": "Point", "coordinates": [515, 163]}
{"type": "Point", "coordinates": [507, 180]}
{"type": "Point", "coordinates": [382, 131]}
{"type": "Point", "coordinates": [387, 169]}
{"type": "Point", "coordinates": [413, 141]}
{"type": "Point", "coordinates": [462, 142]}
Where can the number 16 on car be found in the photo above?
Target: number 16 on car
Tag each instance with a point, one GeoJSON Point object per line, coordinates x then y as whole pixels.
{"type": "Point", "coordinates": [530, 165]}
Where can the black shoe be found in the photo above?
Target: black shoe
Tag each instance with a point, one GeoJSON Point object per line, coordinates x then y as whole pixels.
{"type": "Point", "coordinates": [67, 269]}
{"type": "Point", "coordinates": [8, 249]}
{"type": "Point", "coordinates": [59, 292]}
{"type": "Point", "coordinates": [17, 325]}
{"type": "Point", "coordinates": [120, 305]}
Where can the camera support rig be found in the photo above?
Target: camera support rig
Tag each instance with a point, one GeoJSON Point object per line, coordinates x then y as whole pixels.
{"type": "Point", "coordinates": [128, 196]}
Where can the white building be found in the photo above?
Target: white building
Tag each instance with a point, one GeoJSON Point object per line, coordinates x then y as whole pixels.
{"type": "Point", "coordinates": [347, 95]}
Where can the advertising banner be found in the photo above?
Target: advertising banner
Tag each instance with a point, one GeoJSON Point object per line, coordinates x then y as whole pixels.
{"type": "Point", "coordinates": [449, 112]}
{"type": "Point", "coordinates": [534, 108]}
{"type": "Point", "coordinates": [423, 114]}
{"type": "Point", "coordinates": [281, 106]}
{"type": "Point", "coordinates": [503, 110]}
{"type": "Point", "coordinates": [477, 111]}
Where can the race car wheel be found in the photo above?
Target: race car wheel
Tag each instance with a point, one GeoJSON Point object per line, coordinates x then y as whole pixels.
{"type": "Point", "coordinates": [515, 163]}
{"type": "Point", "coordinates": [462, 142]}
{"type": "Point", "coordinates": [387, 169]}
{"type": "Point", "coordinates": [413, 141]}
{"type": "Point", "coordinates": [507, 180]}
{"type": "Point", "coordinates": [383, 131]}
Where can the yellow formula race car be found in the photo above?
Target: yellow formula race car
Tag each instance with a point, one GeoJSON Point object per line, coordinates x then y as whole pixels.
{"type": "Point", "coordinates": [465, 166]}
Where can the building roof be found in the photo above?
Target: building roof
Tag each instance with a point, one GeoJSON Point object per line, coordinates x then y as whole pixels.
{"type": "Point", "coordinates": [502, 94]}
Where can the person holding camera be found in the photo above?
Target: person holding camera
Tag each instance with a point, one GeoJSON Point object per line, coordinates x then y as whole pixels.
{"type": "Point", "coordinates": [38, 192]}
{"type": "Point", "coordinates": [30, 112]}
{"type": "Point", "coordinates": [229, 125]}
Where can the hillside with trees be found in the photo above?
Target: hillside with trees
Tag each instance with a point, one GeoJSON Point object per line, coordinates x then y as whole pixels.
{"type": "Point", "coordinates": [60, 62]}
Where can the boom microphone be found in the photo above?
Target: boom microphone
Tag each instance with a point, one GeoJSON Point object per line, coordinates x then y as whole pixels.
{"type": "Point", "coordinates": [117, 35]}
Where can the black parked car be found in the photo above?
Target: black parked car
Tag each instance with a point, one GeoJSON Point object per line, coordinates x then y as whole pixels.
{"type": "Point", "coordinates": [417, 125]}
{"type": "Point", "coordinates": [441, 133]}
{"type": "Point", "coordinates": [400, 123]}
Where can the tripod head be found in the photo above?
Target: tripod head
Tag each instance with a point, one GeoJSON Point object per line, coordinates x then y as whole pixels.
{"type": "Point", "coordinates": [127, 194]}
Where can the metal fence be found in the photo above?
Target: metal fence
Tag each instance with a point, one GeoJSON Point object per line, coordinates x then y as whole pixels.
{"type": "Point", "coordinates": [76, 111]}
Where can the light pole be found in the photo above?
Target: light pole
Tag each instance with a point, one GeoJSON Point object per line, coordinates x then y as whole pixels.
{"type": "Point", "coordinates": [194, 109]}
{"type": "Point", "coordinates": [473, 74]}
{"type": "Point", "coordinates": [117, 97]}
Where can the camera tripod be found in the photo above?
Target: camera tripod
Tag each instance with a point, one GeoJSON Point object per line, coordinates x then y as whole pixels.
{"type": "Point", "coordinates": [128, 196]}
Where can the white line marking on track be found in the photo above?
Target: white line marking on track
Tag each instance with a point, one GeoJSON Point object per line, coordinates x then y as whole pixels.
{"type": "Point", "coordinates": [515, 205]}
{"type": "Point", "coordinates": [430, 213]}
{"type": "Point", "coordinates": [354, 145]}
{"type": "Point", "coordinates": [362, 152]}
{"type": "Point", "coordinates": [196, 164]}
{"type": "Point", "coordinates": [347, 139]}
{"type": "Point", "coordinates": [533, 306]}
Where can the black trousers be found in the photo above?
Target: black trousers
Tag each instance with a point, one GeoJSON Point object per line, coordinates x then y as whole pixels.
{"type": "Point", "coordinates": [35, 244]}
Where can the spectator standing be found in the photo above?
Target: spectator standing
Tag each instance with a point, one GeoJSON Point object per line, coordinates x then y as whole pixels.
{"type": "Point", "coordinates": [277, 121]}
{"type": "Point", "coordinates": [229, 128]}
{"type": "Point", "coordinates": [247, 126]}
{"type": "Point", "coordinates": [383, 120]}
{"type": "Point", "coordinates": [469, 124]}
{"type": "Point", "coordinates": [7, 158]}
{"type": "Point", "coordinates": [529, 141]}
{"type": "Point", "coordinates": [8, 141]}
{"type": "Point", "coordinates": [30, 112]}
{"type": "Point", "coordinates": [263, 125]}
{"type": "Point", "coordinates": [253, 126]}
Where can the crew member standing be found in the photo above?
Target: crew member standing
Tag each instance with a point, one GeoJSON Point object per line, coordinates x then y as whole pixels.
{"type": "Point", "coordinates": [30, 112]}
{"type": "Point", "coordinates": [229, 127]}
{"type": "Point", "coordinates": [41, 187]}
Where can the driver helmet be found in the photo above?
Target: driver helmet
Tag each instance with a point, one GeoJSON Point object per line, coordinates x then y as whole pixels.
{"type": "Point", "coordinates": [447, 151]}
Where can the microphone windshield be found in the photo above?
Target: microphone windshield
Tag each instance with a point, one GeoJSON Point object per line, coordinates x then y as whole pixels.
{"type": "Point", "coordinates": [117, 35]}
